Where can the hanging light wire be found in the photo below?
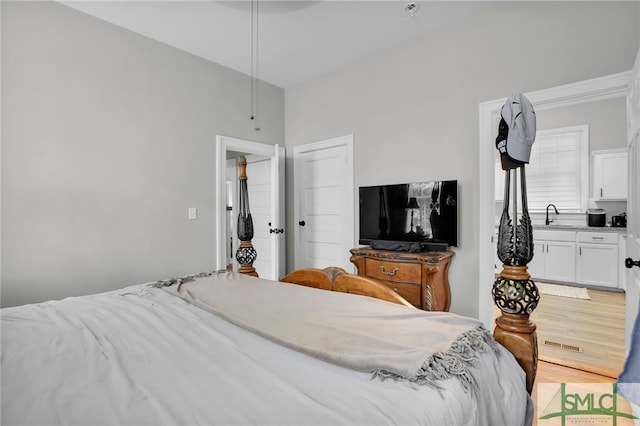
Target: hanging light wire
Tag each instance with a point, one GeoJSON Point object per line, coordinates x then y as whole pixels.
{"type": "Point", "coordinates": [251, 61]}
{"type": "Point", "coordinates": [254, 63]}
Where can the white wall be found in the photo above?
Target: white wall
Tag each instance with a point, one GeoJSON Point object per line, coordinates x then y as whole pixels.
{"type": "Point", "coordinates": [414, 109]}
{"type": "Point", "coordinates": [607, 120]}
{"type": "Point", "coordinates": [107, 139]}
{"type": "Point", "coordinates": [107, 136]}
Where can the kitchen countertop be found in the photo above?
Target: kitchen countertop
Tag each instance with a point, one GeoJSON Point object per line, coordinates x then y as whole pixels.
{"type": "Point", "coordinates": [620, 230]}
{"type": "Point", "coordinates": [615, 229]}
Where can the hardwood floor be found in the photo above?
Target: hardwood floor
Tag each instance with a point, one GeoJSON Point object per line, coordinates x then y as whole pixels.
{"type": "Point", "coordinates": [579, 341]}
{"type": "Point", "coordinates": [588, 334]}
{"type": "Point", "coordinates": [554, 373]}
{"type": "Point", "coordinates": [583, 334]}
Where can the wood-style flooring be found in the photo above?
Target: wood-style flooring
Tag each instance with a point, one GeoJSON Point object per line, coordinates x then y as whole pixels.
{"type": "Point", "coordinates": [554, 373]}
{"type": "Point", "coordinates": [579, 341]}
{"type": "Point", "coordinates": [585, 334]}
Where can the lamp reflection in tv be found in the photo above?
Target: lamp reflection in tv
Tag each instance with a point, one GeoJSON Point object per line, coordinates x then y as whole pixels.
{"type": "Point", "coordinates": [412, 206]}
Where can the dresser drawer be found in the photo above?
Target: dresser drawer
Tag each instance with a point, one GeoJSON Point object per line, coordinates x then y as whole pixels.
{"type": "Point", "coordinates": [415, 276]}
{"type": "Point", "coordinates": [411, 292]}
{"type": "Point", "coordinates": [598, 237]}
{"type": "Point", "coordinates": [397, 272]}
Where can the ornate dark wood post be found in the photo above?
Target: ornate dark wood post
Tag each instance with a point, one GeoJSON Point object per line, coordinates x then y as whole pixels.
{"type": "Point", "coordinates": [517, 296]}
{"type": "Point", "coordinates": [513, 291]}
{"type": "Point", "coordinates": [246, 254]}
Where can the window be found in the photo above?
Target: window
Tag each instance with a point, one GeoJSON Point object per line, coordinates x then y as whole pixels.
{"type": "Point", "coordinates": [558, 170]}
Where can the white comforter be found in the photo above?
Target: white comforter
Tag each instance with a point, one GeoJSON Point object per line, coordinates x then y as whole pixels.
{"type": "Point", "coordinates": [142, 356]}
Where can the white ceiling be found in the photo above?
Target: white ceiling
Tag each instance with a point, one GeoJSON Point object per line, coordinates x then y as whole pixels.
{"type": "Point", "coordinates": [297, 40]}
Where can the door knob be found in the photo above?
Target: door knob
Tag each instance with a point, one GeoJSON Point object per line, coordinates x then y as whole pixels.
{"type": "Point", "coordinates": [302, 223]}
{"type": "Point", "coordinates": [630, 263]}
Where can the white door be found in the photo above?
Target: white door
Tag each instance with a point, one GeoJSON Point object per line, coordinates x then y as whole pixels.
{"type": "Point", "coordinates": [259, 188]}
{"type": "Point", "coordinates": [633, 201]}
{"type": "Point", "coordinates": [265, 181]}
{"type": "Point", "coordinates": [324, 204]}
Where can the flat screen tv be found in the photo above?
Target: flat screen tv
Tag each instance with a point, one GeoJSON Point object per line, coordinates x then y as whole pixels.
{"type": "Point", "coordinates": [422, 212]}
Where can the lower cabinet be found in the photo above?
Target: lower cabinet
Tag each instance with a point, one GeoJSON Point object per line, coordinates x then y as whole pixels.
{"type": "Point", "coordinates": [583, 257]}
{"type": "Point", "coordinates": [536, 266]}
{"type": "Point", "coordinates": [597, 260]}
{"type": "Point", "coordinates": [554, 260]}
{"type": "Point", "coordinates": [558, 261]}
{"type": "Point", "coordinates": [497, 263]}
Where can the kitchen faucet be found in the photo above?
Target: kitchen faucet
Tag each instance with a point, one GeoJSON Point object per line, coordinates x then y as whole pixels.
{"type": "Point", "coordinates": [547, 221]}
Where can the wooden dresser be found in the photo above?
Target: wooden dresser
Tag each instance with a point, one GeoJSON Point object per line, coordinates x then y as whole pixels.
{"type": "Point", "coordinates": [421, 278]}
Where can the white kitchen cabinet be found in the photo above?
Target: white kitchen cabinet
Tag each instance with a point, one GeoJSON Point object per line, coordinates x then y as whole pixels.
{"type": "Point", "coordinates": [622, 255]}
{"type": "Point", "coordinates": [560, 261]}
{"type": "Point", "coordinates": [499, 181]}
{"type": "Point", "coordinates": [582, 257]}
{"type": "Point", "coordinates": [497, 263]}
{"type": "Point", "coordinates": [610, 175]}
{"type": "Point", "coordinates": [597, 261]}
{"type": "Point", "coordinates": [554, 256]}
{"type": "Point", "coordinates": [536, 266]}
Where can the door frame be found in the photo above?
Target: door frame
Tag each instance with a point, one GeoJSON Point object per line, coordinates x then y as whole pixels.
{"type": "Point", "coordinates": [225, 144]}
{"type": "Point", "coordinates": [632, 240]}
{"type": "Point", "coordinates": [607, 87]}
{"type": "Point", "coordinates": [349, 209]}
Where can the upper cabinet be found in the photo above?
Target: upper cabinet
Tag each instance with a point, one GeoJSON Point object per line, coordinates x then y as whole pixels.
{"type": "Point", "coordinates": [610, 175]}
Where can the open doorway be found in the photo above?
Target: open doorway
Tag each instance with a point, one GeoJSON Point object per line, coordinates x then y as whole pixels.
{"type": "Point", "coordinates": [266, 200]}
{"type": "Point", "coordinates": [545, 101]}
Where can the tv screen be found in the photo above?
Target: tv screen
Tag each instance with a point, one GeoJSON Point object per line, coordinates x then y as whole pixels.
{"type": "Point", "coordinates": [424, 212]}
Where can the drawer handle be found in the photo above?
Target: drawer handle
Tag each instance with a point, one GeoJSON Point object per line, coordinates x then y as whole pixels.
{"type": "Point", "coordinates": [392, 273]}
{"type": "Point", "coordinates": [597, 238]}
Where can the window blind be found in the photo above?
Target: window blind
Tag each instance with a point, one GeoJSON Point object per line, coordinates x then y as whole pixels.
{"type": "Point", "coordinates": [558, 169]}
{"type": "Point", "coordinates": [557, 172]}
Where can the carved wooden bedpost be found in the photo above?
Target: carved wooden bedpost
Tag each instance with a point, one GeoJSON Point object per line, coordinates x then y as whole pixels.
{"type": "Point", "coordinates": [246, 254]}
{"type": "Point", "coordinates": [513, 291]}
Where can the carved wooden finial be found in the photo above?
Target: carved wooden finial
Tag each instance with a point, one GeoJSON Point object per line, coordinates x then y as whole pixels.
{"type": "Point", "coordinates": [242, 168]}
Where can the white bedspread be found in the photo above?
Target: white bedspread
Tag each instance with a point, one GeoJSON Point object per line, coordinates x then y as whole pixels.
{"type": "Point", "coordinates": [140, 356]}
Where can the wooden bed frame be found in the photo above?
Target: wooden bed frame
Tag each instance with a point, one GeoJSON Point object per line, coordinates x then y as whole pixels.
{"type": "Point", "coordinates": [337, 279]}
{"type": "Point", "coordinates": [521, 332]}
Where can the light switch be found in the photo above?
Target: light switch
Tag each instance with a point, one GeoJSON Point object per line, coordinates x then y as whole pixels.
{"type": "Point", "coordinates": [193, 213]}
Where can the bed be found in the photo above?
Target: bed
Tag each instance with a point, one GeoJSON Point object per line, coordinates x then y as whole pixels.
{"type": "Point", "coordinates": [222, 348]}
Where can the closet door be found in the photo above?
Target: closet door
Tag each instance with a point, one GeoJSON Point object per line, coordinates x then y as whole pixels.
{"type": "Point", "coordinates": [324, 203]}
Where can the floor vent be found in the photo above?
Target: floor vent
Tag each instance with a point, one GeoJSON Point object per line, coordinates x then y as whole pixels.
{"type": "Point", "coordinates": [563, 346]}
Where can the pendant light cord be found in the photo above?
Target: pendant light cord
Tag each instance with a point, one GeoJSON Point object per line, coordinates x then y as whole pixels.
{"type": "Point", "coordinates": [254, 62]}
{"type": "Point", "coordinates": [251, 53]}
